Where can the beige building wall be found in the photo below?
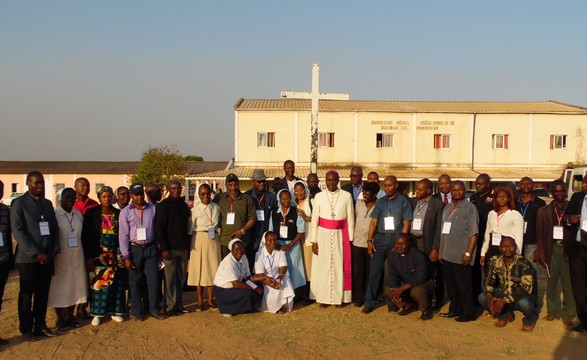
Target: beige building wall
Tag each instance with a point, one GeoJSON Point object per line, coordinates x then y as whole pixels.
{"type": "Point", "coordinates": [413, 139]}
{"type": "Point", "coordinates": [53, 180]}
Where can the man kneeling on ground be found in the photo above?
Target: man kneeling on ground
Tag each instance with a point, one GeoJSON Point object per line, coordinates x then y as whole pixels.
{"type": "Point", "coordinates": [409, 285]}
{"type": "Point", "coordinates": [510, 285]}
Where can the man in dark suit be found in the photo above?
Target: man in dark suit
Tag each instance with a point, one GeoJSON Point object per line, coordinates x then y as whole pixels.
{"type": "Point", "coordinates": [425, 232]}
{"type": "Point", "coordinates": [36, 232]}
{"type": "Point", "coordinates": [355, 187]}
{"type": "Point", "coordinates": [576, 249]}
{"type": "Point", "coordinates": [443, 193]}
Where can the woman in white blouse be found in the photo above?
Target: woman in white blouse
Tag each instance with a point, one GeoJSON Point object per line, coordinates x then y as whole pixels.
{"type": "Point", "coordinates": [278, 297]}
{"type": "Point", "coordinates": [503, 220]}
{"type": "Point", "coordinates": [205, 248]}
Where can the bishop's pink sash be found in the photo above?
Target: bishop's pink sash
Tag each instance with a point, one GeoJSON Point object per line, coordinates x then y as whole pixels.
{"type": "Point", "coordinates": [346, 247]}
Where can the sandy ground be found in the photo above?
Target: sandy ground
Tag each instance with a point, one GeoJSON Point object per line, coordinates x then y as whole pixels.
{"type": "Point", "coordinates": [306, 333]}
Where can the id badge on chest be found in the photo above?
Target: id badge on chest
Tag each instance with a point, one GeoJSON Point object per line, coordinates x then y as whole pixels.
{"type": "Point", "coordinates": [260, 215]}
{"type": "Point", "coordinates": [72, 239]}
{"type": "Point", "coordinates": [495, 238]}
{"type": "Point", "coordinates": [283, 231]}
{"type": "Point", "coordinates": [212, 233]}
{"type": "Point", "coordinates": [417, 224]}
{"type": "Point", "coordinates": [525, 226]}
{"type": "Point", "coordinates": [389, 223]}
{"type": "Point", "coordinates": [557, 233]}
{"type": "Point", "coordinates": [2, 239]}
{"type": "Point", "coordinates": [446, 227]}
{"type": "Point", "coordinates": [230, 218]}
{"type": "Point", "coordinates": [141, 234]}
{"type": "Point", "coordinates": [44, 228]}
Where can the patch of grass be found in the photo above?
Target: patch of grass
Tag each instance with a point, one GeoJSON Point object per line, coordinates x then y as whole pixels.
{"type": "Point", "coordinates": [445, 355]}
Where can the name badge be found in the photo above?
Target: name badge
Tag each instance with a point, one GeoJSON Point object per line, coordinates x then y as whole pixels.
{"type": "Point", "coordinates": [72, 239]}
{"type": "Point", "coordinates": [251, 284]}
{"type": "Point", "coordinates": [230, 218]}
{"type": "Point", "coordinates": [283, 231]}
{"type": "Point", "coordinates": [525, 226]}
{"type": "Point", "coordinates": [2, 239]}
{"type": "Point", "coordinates": [389, 223]}
{"type": "Point", "coordinates": [44, 228]}
{"type": "Point", "coordinates": [417, 224]}
{"type": "Point", "coordinates": [557, 233]}
{"type": "Point", "coordinates": [584, 225]}
{"type": "Point", "coordinates": [446, 227]}
{"type": "Point", "coordinates": [495, 238]}
{"type": "Point", "coordinates": [141, 234]}
{"type": "Point", "coordinates": [260, 215]}
{"type": "Point", "coordinates": [212, 233]}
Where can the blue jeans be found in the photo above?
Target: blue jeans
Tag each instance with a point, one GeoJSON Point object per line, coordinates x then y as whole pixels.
{"type": "Point", "coordinates": [146, 262]}
{"type": "Point", "coordinates": [527, 305]}
{"type": "Point", "coordinates": [383, 245]}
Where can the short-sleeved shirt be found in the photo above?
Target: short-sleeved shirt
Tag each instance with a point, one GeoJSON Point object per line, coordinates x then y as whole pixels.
{"type": "Point", "coordinates": [230, 270]}
{"type": "Point", "coordinates": [399, 208]}
{"type": "Point", "coordinates": [464, 224]}
{"type": "Point", "coordinates": [244, 210]}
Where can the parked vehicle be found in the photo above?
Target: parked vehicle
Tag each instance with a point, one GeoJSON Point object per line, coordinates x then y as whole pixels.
{"type": "Point", "coordinates": [574, 178]}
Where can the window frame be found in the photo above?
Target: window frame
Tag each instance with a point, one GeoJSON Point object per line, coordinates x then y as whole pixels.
{"type": "Point", "coordinates": [380, 143]}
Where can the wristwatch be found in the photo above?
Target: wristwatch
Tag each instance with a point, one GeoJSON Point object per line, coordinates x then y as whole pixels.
{"type": "Point", "coordinates": [467, 253]}
{"type": "Point", "coordinates": [243, 231]}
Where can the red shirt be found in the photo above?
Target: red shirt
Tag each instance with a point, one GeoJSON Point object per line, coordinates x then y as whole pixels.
{"type": "Point", "coordinates": [83, 206]}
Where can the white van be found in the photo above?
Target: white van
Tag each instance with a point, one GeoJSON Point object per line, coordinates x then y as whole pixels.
{"type": "Point", "coordinates": [574, 179]}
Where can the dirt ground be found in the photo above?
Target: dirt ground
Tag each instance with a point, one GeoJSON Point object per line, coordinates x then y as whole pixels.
{"type": "Point", "coordinates": [306, 333]}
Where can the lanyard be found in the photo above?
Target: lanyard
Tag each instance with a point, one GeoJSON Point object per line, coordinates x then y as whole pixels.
{"type": "Point", "coordinates": [453, 212]}
{"type": "Point", "coordinates": [559, 217]}
{"type": "Point", "coordinates": [271, 261]}
{"type": "Point", "coordinates": [421, 204]}
{"type": "Point", "coordinates": [499, 218]}
{"type": "Point", "coordinates": [260, 201]}
{"type": "Point", "coordinates": [524, 208]}
{"type": "Point", "coordinates": [140, 215]}
{"type": "Point", "coordinates": [209, 217]}
{"type": "Point", "coordinates": [283, 216]}
{"type": "Point", "coordinates": [69, 221]}
{"type": "Point", "coordinates": [232, 203]}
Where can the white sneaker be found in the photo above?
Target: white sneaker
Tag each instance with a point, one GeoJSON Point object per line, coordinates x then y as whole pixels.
{"type": "Point", "coordinates": [117, 318]}
{"type": "Point", "coordinates": [227, 315]}
{"type": "Point", "coordinates": [96, 321]}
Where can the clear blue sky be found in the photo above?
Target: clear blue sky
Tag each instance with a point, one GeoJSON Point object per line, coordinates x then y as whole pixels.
{"type": "Point", "coordinates": [103, 80]}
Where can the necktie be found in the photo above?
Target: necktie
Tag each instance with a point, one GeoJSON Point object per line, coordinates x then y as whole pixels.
{"type": "Point", "coordinates": [445, 199]}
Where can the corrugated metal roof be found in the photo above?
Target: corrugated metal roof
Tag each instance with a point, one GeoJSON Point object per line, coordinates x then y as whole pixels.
{"type": "Point", "coordinates": [97, 167]}
{"type": "Point", "coordinates": [489, 107]}
{"type": "Point", "coordinates": [403, 174]}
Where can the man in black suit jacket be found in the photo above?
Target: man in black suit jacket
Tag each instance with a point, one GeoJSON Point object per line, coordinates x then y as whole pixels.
{"type": "Point", "coordinates": [355, 187]}
{"type": "Point", "coordinates": [425, 232]}
{"type": "Point", "coordinates": [443, 193]}
{"type": "Point", "coordinates": [576, 249]}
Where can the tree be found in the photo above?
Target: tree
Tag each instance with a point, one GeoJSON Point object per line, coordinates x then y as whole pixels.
{"type": "Point", "coordinates": [159, 165]}
{"type": "Point", "coordinates": [193, 158]}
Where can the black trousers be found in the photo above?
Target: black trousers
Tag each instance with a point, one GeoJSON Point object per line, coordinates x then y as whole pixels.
{"type": "Point", "coordinates": [4, 271]}
{"type": "Point", "coordinates": [457, 279]}
{"type": "Point", "coordinates": [578, 266]}
{"type": "Point", "coordinates": [360, 262]}
{"type": "Point", "coordinates": [35, 280]}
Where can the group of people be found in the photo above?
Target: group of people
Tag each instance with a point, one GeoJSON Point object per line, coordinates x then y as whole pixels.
{"type": "Point", "coordinates": [263, 249]}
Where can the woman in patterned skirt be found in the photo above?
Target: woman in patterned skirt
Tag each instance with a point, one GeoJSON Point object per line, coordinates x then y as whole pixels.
{"type": "Point", "coordinates": [103, 259]}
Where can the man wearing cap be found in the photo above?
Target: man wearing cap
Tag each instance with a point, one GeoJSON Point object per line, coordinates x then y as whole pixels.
{"type": "Point", "coordinates": [139, 250]}
{"type": "Point", "coordinates": [171, 227]}
{"type": "Point", "coordinates": [237, 216]}
{"type": "Point", "coordinates": [265, 202]}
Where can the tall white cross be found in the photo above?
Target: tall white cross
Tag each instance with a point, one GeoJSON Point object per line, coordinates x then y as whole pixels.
{"type": "Point", "coordinates": [315, 96]}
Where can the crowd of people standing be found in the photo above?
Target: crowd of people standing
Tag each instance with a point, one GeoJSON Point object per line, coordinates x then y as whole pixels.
{"type": "Point", "coordinates": [264, 249]}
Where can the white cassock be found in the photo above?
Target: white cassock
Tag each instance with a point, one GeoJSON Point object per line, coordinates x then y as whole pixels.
{"type": "Point", "coordinates": [331, 273]}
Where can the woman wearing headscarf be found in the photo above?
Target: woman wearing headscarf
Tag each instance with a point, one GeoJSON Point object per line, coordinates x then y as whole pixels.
{"type": "Point", "coordinates": [234, 286]}
{"type": "Point", "coordinates": [278, 297]}
{"type": "Point", "coordinates": [304, 210]}
{"type": "Point", "coordinates": [104, 260]}
{"type": "Point", "coordinates": [290, 228]}
{"type": "Point", "coordinates": [69, 285]}
{"type": "Point", "coordinates": [205, 247]}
